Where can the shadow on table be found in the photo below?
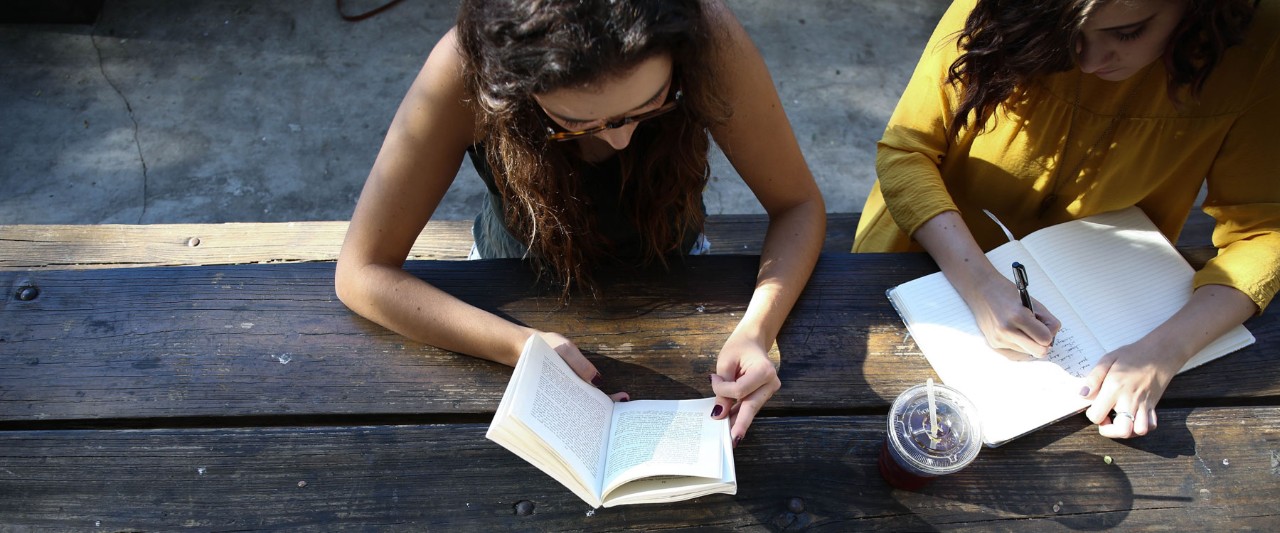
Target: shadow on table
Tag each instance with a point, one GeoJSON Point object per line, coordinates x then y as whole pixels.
{"type": "Point", "coordinates": [797, 479]}
{"type": "Point", "coordinates": [1172, 438]}
{"type": "Point", "coordinates": [641, 382]}
{"type": "Point", "coordinates": [1080, 490]}
{"type": "Point", "coordinates": [1094, 496]}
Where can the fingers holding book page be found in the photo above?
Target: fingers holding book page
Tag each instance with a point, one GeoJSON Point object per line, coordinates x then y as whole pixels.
{"type": "Point", "coordinates": [744, 405]}
{"type": "Point", "coordinates": [752, 381]}
{"type": "Point", "coordinates": [574, 358]}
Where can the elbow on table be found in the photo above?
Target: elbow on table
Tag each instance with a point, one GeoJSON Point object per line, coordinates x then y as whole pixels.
{"type": "Point", "coordinates": [346, 283]}
{"type": "Point", "coordinates": [810, 214]}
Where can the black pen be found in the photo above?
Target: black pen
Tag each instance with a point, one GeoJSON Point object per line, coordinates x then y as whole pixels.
{"type": "Point", "coordinates": [1020, 279]}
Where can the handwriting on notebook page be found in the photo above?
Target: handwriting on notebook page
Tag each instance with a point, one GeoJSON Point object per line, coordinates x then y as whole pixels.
{"type": "Point", "coordinates": [1070, 354]}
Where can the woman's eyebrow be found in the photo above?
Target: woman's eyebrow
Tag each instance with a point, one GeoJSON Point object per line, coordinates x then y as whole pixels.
{"type": "Point", "coordinates": [1130, 25]}
{"type": "Point", "coordinates": [646, 102]}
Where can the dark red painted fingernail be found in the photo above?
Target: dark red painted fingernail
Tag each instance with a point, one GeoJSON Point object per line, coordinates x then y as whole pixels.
{"type": "Point", "coordinates": [624, 399]}
{"type": "Point", "coordinates": [736, 440]}
{"type": "Point", "coordinates": [598, 381]}
{"type": "Point", "coordinates": [715, 411]}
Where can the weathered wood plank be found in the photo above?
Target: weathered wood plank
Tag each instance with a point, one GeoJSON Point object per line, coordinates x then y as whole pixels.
{"type": "Point", "coordinates": [743, 234]}
{"type": "Point", "coordinates": [270, 340]}
{"type": "Point", "coordinates": [27, 247]}
{"type": "Point", "coordinates": [119, 245]}
{"type": "Point", "coordinates": [1206, 469]}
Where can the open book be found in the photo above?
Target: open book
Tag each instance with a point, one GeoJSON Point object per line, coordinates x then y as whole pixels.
{"type": "Point", "coordinates": [643, 451]}
{"type": "Point", "coordinates": [1110, 278]}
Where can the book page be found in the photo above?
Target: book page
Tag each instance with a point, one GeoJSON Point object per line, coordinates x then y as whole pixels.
{"type": "Point", "coordinates": [1122, 276]}
{"type": "Point", "coordinates": [660, 489]}
{"type": "Point", "coordinates": [664, 437]}
{"type": "Point", "coordinates": [569, 415]}
{"type": "Point", "coordinates": [1015, 395]}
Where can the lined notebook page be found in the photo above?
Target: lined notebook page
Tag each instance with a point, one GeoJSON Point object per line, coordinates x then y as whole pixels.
{"type": "Point", "coordinates": [1015, 395]}
{"type": "Point", "coordinates": [1122, 277]}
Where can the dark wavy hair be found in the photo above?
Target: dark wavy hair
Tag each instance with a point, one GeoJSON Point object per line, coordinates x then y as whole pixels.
{"type": "Point", "coordinates": [1008, 43]}
{"type": "Point", "coordinates": [514, 49]}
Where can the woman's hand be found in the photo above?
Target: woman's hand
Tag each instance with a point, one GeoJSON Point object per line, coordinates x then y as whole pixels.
{"type": "Point", "coordinates": [578, 362]}
{"type": "Point", "coordinates": [1006, 324]}
{"type": "Point", "coordinates": [1129, 381]}
{"type": "Point", "coordinates": [1132, 379]}
{"type": "Point", "coordinates": [744, 380]}
{"type": "Point", "coordinates": [994, 299]}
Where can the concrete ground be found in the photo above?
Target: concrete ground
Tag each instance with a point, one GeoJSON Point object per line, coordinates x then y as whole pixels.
{"type": "Point", "coordinates": [247, 111]}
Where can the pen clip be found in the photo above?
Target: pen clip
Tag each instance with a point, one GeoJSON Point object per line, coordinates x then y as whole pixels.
{"type": "Point", "coordinates": [1020, 276]}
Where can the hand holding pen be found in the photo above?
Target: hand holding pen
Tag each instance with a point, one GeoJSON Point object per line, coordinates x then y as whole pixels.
{"type": "Point", "coordinates": [1021, 281]}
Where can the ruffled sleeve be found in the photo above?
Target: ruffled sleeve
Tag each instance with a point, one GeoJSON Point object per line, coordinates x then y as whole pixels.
{"type": "Point", "coordinates": [1244, 192]}
{"type": "Point", "coordinates": [918, 133]}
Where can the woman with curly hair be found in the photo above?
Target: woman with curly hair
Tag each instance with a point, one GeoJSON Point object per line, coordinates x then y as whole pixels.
{"type": "Point", "coordinates": [1044, 111]}
{"type": "Point", "coordinates": [590, 122]}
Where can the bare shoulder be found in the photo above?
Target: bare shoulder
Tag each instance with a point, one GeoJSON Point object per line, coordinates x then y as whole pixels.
{"type": "Point", "coordinates": [736, 63]}
{"type": "Point", "coordinates": [445, 60]}
{"type": "Point", "coordinates": [439, 93]}
{"type": "Point", "coordinates": [756, 137]}
{"type": "Point", "coordinates": [739, 69]}
{"type": "Point", "coordinates": [727, 34]}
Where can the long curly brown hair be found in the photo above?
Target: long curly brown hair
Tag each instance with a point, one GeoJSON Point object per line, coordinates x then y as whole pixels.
{"type": "Point", "coordinates": [514, 49]}
{"type": "Point", "coordinates": [1007, 43]}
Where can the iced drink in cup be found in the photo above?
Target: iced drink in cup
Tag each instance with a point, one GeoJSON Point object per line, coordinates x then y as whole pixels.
{"type": "Point", "coordinates": [914, 453]}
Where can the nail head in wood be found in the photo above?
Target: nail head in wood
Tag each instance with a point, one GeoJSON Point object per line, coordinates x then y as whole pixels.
{"type": "Point", "coordinates": [795, 505]}
{"type": "Point", "coordinates": [27, 293]}
{"type": "Point", "coordinates": [524, 508]}
{"type": "Point", "coordinates": [193, 242]}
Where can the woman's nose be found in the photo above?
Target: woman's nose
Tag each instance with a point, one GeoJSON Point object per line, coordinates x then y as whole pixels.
{"type": "Point", "coordinates": [618, 138]}
{"type": "Point", "coordinates": [1092, 56]}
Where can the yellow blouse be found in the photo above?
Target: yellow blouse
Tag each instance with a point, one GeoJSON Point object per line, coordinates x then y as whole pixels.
{"type": "Point", "coordinates": [1156, 157]}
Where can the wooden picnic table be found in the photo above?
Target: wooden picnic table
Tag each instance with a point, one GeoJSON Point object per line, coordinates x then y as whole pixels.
{"type": "Point", "coordinates": [246, 396]}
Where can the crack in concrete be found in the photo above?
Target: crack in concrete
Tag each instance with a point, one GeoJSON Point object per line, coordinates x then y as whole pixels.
{"type": "Point", "coordinates": [93, 38]}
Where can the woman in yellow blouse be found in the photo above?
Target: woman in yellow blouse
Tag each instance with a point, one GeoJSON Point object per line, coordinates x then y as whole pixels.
{"type": "Point", "coordinates": [1044, 111]}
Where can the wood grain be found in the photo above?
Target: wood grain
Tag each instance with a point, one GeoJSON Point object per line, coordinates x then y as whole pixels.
{"type": "Point", "coordinates": [273, 340]}
{"type": "Point", "coordinates": [248, 397]}
{"type": "Point", "coordinates": [117, 245]}
{"type": "Point", "coordinates": [30, 247]}
{"type": "Point", "coordinates": [1208, 469]}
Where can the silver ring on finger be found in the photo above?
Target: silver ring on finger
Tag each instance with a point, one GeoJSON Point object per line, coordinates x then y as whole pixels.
{"type": "Point", "coordinates": [1125, 414]}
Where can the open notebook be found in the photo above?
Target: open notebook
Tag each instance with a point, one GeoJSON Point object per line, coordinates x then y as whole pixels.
{"type": "Point", "coordinates": [1110, 278]}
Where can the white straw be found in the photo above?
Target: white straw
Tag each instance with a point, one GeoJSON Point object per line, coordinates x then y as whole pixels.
{"type": "Point", "coordinates": [933, 411]}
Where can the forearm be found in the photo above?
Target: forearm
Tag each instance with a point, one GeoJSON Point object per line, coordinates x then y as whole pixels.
{"type": "Point", "coordinates": [1210, 313]}
{"type": "Point", "coordinates": [790, 250]}
{"type": "Point", "coordinates": [950, 244]}
{"type": "Point", "coordinates": [411, 307]}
